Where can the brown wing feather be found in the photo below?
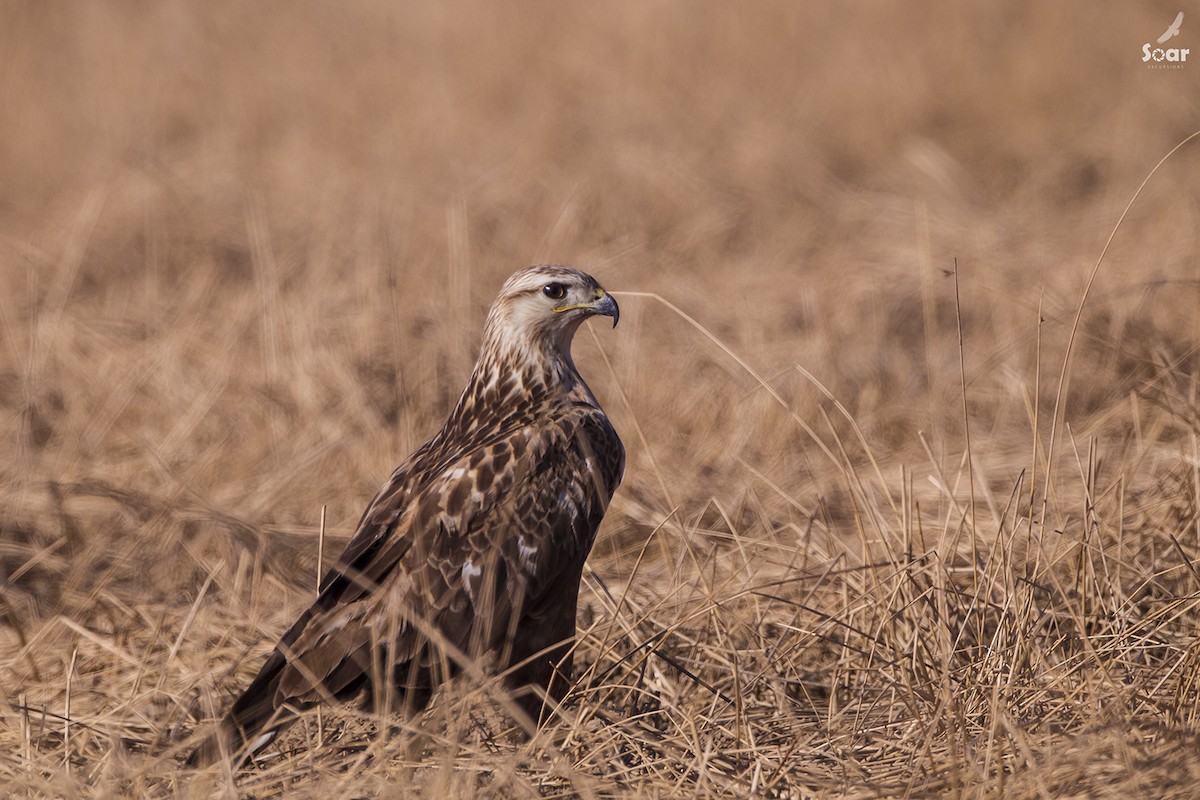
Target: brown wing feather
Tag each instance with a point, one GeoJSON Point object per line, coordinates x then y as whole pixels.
{"type": "Point", "coordinates": [496, 533]}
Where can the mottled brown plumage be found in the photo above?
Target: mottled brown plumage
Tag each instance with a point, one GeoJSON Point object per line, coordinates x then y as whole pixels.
{"type": "Point", "coordinates": [474, 548]}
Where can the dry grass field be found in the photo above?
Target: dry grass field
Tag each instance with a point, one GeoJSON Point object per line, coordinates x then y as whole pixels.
{"type": "Point", "coordinates": [888, 529]}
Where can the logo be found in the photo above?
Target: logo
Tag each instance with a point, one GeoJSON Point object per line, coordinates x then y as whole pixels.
{"type": "Point", "coordinates": [1166, 58]}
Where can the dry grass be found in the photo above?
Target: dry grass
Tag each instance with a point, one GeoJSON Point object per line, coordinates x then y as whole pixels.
{"type": "Point", "coordinates": [244, 255]}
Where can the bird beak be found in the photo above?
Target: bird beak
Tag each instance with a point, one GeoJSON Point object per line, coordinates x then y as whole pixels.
{"type": "Point", "coordinates": [607, 307]}
{"type": "Point", "coordinates": [604, 305]}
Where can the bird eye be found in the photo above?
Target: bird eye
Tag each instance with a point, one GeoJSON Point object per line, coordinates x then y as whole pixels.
{"type": "Point", "coordinates": [555, 291]}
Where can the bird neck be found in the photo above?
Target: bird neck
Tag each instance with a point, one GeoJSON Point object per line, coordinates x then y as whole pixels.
{"type": "Point", "coordinates": [515, 378]}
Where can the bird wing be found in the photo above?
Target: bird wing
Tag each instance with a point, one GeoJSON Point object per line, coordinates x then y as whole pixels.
{"type": "Point", "coordinates": [1173, 29]}
{"type": "Point", "coordinates": [506, 526]}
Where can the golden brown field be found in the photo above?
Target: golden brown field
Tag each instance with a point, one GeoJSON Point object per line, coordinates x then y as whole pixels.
{"type": "Point", "coordinates": [887, 530]}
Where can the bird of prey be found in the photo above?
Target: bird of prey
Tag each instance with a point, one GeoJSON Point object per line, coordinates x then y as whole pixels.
{"type": "Point", "coordinates": [472, 551]}
{"type": "Point", "coordinates": [1173, 30]}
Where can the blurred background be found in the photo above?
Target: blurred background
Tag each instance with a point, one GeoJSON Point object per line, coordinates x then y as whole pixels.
{"type": "Point", "coordinates": [278, 226]}
{"type": "Point", "coordinates": [246, 249]}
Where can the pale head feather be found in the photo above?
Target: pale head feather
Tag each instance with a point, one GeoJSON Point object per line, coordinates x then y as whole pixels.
{"type": "Point", "coordinates": [529, 325]}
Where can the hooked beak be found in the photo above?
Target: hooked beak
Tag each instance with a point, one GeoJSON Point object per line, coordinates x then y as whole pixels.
{"type": "Point", "coordinates": [604, 305]}
{"type": "Point", "coordinates": [607, 307]}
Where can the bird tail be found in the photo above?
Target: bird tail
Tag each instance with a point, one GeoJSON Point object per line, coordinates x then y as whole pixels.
{"type": "Point", "coordinates": [251, 724]}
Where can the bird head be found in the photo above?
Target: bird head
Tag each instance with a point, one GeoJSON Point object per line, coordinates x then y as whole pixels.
{"type": "Point", "coordinates": [545, 305]}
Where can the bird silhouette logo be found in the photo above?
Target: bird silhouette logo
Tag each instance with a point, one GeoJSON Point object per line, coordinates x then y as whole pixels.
{"type": "Point", "coordinates": [1166, 57]}
{"type": "Point", "coordinates": [1173, 30]}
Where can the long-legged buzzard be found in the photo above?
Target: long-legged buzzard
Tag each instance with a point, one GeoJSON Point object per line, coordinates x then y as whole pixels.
{"type": "Point", "coordinates": [472, 551]}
